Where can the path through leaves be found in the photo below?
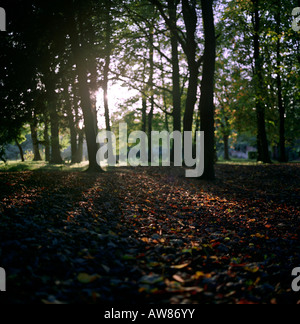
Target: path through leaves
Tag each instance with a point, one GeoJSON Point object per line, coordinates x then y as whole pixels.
{"type": "Point", "coordinates": [150, 235]}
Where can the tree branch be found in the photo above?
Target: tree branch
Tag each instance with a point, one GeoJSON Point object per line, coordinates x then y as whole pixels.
{"type": "Point", "coordinates": [119, 76]}
{"type": "Point", "coordinates": [179, 34]}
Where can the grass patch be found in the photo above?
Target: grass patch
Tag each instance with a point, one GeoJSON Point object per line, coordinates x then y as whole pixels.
{"type": "Point", "coordinates": [234, 161]}
{"type": "Point", "coordinates": [18, 166]}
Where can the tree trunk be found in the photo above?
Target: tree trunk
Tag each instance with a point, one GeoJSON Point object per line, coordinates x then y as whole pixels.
{"type": "Point", "coordinates": [150, 120]}
{"type": "Point", "coordinates": [71, 122]}
{"type": "Point", "coordinates": [281, 107]}
{"type": "Point", "coordinates": [172, 6]}
{"type": "Point", "coordinates": [189, 45]}
{"type": "Point", "coordinates": [20, 149]}
{"type": "Point", "coordinates": [150, 88]}
{"type": "Point", "coordinates": [191, 98]}
{"type": "Point", "coordinates": [73, 135]}
{"type": "Point", "coordinates": [167, 123]}
{"type": "Point", "coordinates": [176, 91]}
{"type": "Point", "coordinates": [190, 20]}
{"type": "Point", "coordinates": [79, 153]}
{"type": "Point", "coordinates": [92, 66]}
{"type": "Point", "coordinates": [226, 148]}
{"type": "Point", "coordinates": [54, 121]}
{"type": "Point", "coordinates": [108, 50]}
{"type": "Point", "coordinates": [207, 109]}
{"type": "Point", "coordinates": [282, 157]}
{"type": "Point", "coordinates": [54, 118]}
{"type": "Point", "coordinates": [55, 147]}
{"type": "Point", "coordinates": [2, 154]}
{"type": "Point", "coordinates": [79, 132]}
{"type": "Point", "coordinates": [262, 141]}
{"type": "Point", "coordinates": [89, 115]}
{"type": "Point", "coordinates": [46, 138]}
{"type": "Point", "coordinates": [144, 113]}
{"type": "Point", "coordinates": [35, 142]}
{"type": "Point", "coordinates": [150, 128]}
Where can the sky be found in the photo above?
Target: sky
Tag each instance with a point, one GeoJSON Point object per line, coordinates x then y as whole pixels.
{"type": "Point", "coordinates": [116, 96]}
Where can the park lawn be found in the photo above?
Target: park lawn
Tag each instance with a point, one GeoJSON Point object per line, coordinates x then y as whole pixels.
{"type": "Point", "coordinates": [144, 235]}
{"type": "Point", "coordinates": [18, 166]}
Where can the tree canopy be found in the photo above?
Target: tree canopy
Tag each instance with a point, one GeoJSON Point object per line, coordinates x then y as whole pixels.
{"type": "Point", "coordinates": [225, 67]}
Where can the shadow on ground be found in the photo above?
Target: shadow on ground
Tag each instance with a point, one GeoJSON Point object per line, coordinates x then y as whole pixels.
{"type": "Point", "coordinates": [149, 235]}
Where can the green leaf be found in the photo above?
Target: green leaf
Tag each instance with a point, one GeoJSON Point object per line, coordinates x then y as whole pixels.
{"type": "Point", "coordinates": [128, 257]}
{"type": "Point", "coordinates": [85, 278]}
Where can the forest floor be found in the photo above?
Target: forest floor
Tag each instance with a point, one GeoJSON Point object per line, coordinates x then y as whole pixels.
{"type": "Point", "coordinates": [149, 235]}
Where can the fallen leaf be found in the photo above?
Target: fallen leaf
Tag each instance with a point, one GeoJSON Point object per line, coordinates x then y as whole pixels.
{"type": "Point", "coordinates": [181, 266]}
{"type": "Point", "coordinates": [151, 279]}
{"type": "Point", "coordinates": [200, 274]}
{"type": "Point", "coordinates": [86, 278]}
{"type": "Point", "coordinates": [252, 269]}
{"type": "Point", "coordinates": [178, 278]}
{"type": "Point", "coordinates": [54, 302]}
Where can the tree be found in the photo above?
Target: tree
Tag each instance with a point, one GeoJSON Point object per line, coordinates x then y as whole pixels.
{"type": "Point", "coordinates": [176, 91]}
{"type": "Point", "coordinates": [142, 50]}
{"type": "Point", "coordinates": [75, 24]}
{"type": "Point", "coordinates": [262, 141]}
{"type": "Point", "coordinates": [207, 89]}
{"type": "Point", "coordinates": [14, 133]}
{"type": "Point", "coordinates": [17, 75]}
{"type": "Point", "coordinates": [155, 47]}
{"type": "Point", "coordinates": [225, 113]}
{"type": "Point", "coordinates": [46, 136]}
{"type": "Point", "coordinates": [54, 118]}
{"type": "Point", "coordinates": [20, 149]}
{"type": "Point", "coordinates": [190, 47]}
{"type": "Point", "coordinates": [259, 44]}
{"type": "Point", "coordinates": [34, 137]}
{"type": "Point", "coordinates": [279, 85]}
{"type": "Point", "coordinates": [71, 121]}
{"type": "Point", "coordinates": [107, 58]}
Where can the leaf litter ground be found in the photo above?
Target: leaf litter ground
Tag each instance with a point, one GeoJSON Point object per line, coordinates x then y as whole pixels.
{"type": "Point", "coordinates": [148, 235]}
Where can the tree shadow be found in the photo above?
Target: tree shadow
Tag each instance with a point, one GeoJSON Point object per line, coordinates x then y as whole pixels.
{"type": "Point", "coordinates": [123, 235]}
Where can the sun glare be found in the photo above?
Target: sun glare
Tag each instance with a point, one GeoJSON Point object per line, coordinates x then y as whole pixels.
{"type": "Point", "coordinates": [117, 95]}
